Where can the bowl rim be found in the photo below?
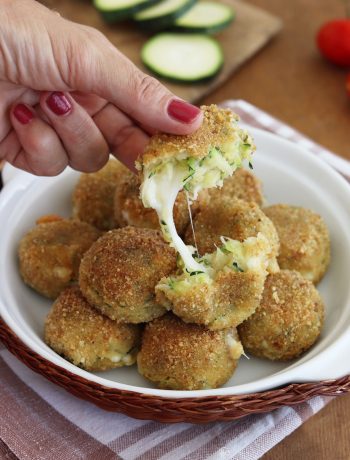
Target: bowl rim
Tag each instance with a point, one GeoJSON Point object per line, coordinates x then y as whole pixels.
{"type": "Point", "coordinates": [148, 407]}
{"type": "Point", "coordinates": [272, 381]}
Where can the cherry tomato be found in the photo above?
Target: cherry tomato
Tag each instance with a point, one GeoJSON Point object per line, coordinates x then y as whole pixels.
{"type": "Point", "coordinates": [333, 40]}
{"type": "Point", "coordinates": [347, 84]}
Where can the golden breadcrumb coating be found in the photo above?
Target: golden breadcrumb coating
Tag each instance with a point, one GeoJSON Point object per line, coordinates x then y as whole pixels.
{"type": "Point", "coordinates": [179, 356]}
{"type": "Point", "coordinates": [228, 293]}
{"type": "Point", "coordinates": [50, 253]}
{"type": "Point", "coordinates": [48, 218]}
{"type": "Point", "coordinates": [287, 322]}
{"type": "Point", "coordinates": [93, 196]}
{"type": "Point", "coordinates": [231, 218]}
{"type": "Point", "coordinates": [242, 185]}
{"type": "Point", "coordinates": [129, 210]}
{"type": "Point", "coordinates": [304, 239]}
{"type": "Point", "coordinates": [86, 338]}
{"type": "Point", "coordinates": [216, 129]}
{"type": "Point", "coordinates": [226, 302]}
{"type": "Point", "coordinates": [120, 271]}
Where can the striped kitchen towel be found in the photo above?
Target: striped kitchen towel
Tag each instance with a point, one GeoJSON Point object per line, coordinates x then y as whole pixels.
{"type": "Point", "coordinates": [40, 421]}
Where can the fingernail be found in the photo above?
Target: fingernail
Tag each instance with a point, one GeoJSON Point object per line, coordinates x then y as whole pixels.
{"type": "Point", "coordinates": [183, 111]}
{"type": "Point", "coordinates": [58, 103]}
{"type": "Point", "coordinates": [23, 114]}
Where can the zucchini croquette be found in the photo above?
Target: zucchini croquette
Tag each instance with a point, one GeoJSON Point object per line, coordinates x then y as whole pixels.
{"type": "Point", "coordinates": [192, 163]}
{"type": "Point", "coordinates": [86, 338]}
{"type": "Point", "coordinates": [242, 185]}
{"type": "Point", "coordinates": [304, 239]}
{"type": "Point", "coordinates": [119, 273]}
{"type": "Point", "coordinates": [288, 320]}
{"type": "Point", "coordinates": [93, 196]}
{"type": "Point", "coordinates": [129, 210]}
{"type": "Point", "coordinates": [50, 253]}
{"type": "Point", "coordinates": [232, 218]}
{"type": "Point", "coordinates": [227, 293]}
{"type": "Point", "coordinates": [179, 356]}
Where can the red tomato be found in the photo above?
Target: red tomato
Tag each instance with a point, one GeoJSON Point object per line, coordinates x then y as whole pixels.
{"type": "Point", "coordinates": [333, 40]}
{"type": "Point", "coordinates": [347, 84]}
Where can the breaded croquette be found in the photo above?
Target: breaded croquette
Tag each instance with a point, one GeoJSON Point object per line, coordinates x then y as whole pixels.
{"type": "Point", "coordinates": [227, 293]}
{"type": "Point", "coordinates": [93, 196]}
{"type": "Point", "coordinates": [86, 338]}
{"type": "Point", "coordinates": [242, 185]}
{"type": "Point", "coordinates": [119, 273]}
{"type": "Point", "coordinates": [129, 210]}
{"type": "Point", "coordinates": [50, 253]}
{"type": "Point", "coordinates": [288, 320]}
{"type": "Point", "coordinates": [219, 130]}
{"type": "Point", "coordinates": [192, 163]}
{"type": "Point", "coordinates": [236, 219]}
{"type": "Point", "coordinates": [304, 239]}
{"type": "Point", "coordinates": [179, 356]}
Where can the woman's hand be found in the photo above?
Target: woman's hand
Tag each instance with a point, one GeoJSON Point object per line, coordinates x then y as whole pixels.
{"type": "Point", "coordinates": [69, 97]}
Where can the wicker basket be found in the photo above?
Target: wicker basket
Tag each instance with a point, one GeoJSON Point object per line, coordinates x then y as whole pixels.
{"type": "Point", "coordinates": [193, 410]}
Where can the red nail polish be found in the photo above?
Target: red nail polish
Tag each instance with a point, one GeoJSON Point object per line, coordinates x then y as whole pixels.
{"type": "Point", "coordinates": [58, 103]}
{"type": "Point", "coordinates": [183, 111]}
{"type": "Point", "coordinates": [23, 114]}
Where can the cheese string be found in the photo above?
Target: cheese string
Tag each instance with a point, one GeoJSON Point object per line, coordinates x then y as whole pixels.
{"type": "Point", "coordinates": [191, 221]}
{"type": "Point", "coordinates": [167, 214]}
{"type": "Point", "coordinates": [160, 192]}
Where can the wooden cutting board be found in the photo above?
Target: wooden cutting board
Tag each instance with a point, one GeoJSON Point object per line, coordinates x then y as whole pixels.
{"type": "Point", "coordinates": [250, 31]}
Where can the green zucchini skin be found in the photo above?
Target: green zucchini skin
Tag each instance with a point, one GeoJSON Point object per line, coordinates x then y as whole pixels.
{"type": "Point", "coordinates": [163, 22]}
{"type": "Point", "coordinates": [177, 79]}
{"type": "Point", "coordinates": [204, 30]}
{"type": "Point", "coordinates": [184, 81]}
{"type": "Point", "coordinates": [207, 17]}
{"type": "Point", "coordinates": [113, 16]}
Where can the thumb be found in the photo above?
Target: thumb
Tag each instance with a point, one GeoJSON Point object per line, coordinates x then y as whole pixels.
{"type": "Point", "coordinates": [103, 70]}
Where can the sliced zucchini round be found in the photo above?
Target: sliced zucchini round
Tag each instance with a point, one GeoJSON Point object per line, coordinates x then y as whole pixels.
{"type": "Point", "coordinates": [185, 58]}
{"type": "Point", "coordinates": [162, 15]}
{"type": "Point", "coordinates": [205, 17]}
{"type": "Point", "coordinates": [118, 10]}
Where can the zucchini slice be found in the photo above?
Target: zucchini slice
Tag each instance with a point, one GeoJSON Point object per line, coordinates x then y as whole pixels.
{"type": "Point", "coordinates": [162, 15]}
{"type": "Point", "coordinates": [205, 17]}
{"type": "Point", "coordinates": [185, 58]}
{"type": "Point", "coordinates": [118, 10]}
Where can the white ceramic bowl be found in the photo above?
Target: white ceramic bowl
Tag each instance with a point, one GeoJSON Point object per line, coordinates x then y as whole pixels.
{"type": "Point", "coordinates": [290, 175]}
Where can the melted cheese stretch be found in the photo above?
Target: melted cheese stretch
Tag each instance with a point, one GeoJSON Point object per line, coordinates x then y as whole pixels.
{"type": "Point", "coordinates": [163, 181]}
{"type": "Point", "coordinates": [252, 255]}
{"type": "Point", "coordinates": [159, 192]}
{"type": "Point", "coordinates": [234, 345]}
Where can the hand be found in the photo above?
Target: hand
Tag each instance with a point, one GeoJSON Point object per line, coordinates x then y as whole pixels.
{"type": "Point", "coordinates": [69, 97]}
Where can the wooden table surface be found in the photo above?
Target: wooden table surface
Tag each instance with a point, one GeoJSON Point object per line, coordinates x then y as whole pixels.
{"type": "Point", "coordinates": [290, 80]}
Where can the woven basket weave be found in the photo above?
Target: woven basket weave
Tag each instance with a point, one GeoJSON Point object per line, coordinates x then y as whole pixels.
{"type": "Point", "coordinates": [192, 410]}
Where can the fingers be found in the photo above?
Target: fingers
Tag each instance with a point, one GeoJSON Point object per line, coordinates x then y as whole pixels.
{"type": "Point", "coordinates": [126, 140]}
{"type": "Point", "coordinates": [146, 100]}
{"type": "Point", "coordinates": [103, 70]}
{"type": "Point", "coordinates": [10, 147]}
{"type": "Point", "coordinates": [69, 136]}
{"type": "Point", "coordinates": [91, 103]}
{"type": "Point", "coordinates": [38, 150]}
{"type": "Point", "coordinates": [86, 148]}
{"type": "Point", "coordinates": [150, 103]}
{"type": "Point", "coordinates": [59, 132]}
{"type": "Point", "coordinates": [11, 150]}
